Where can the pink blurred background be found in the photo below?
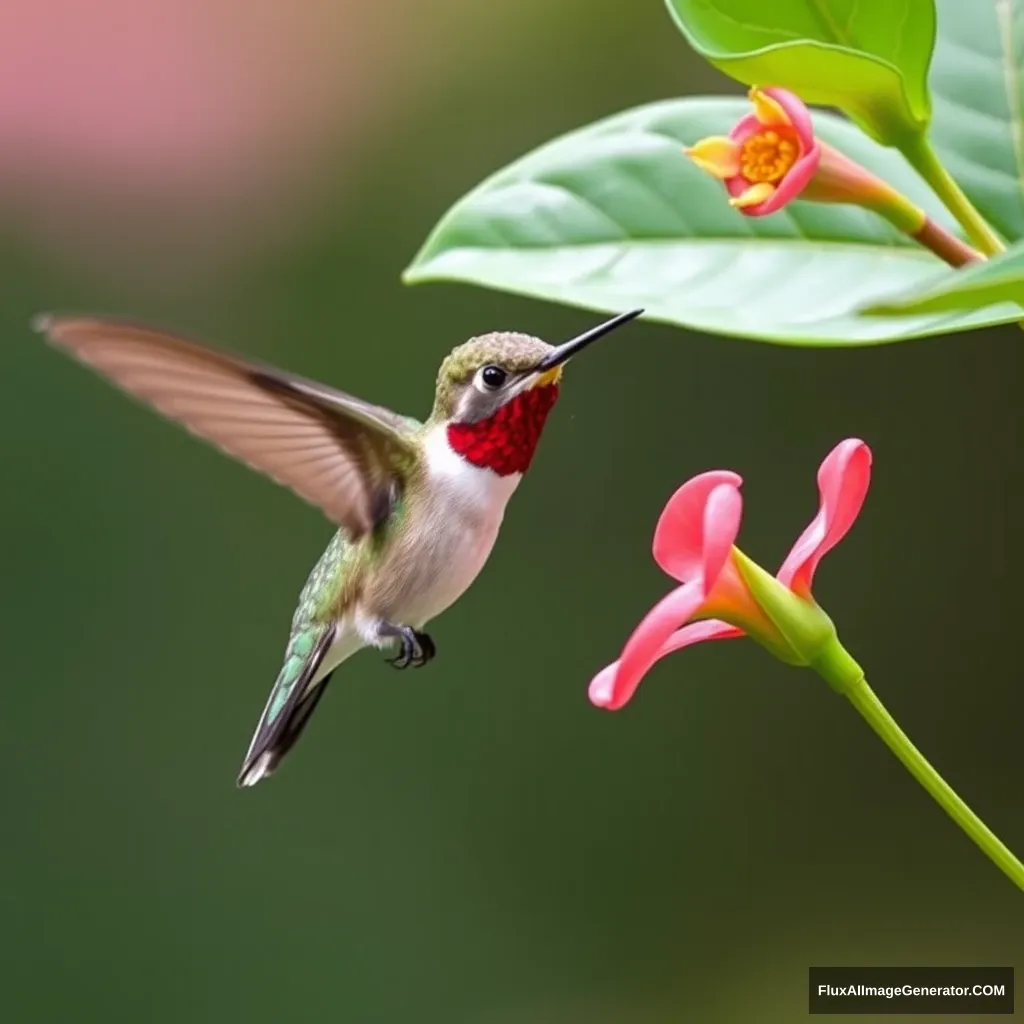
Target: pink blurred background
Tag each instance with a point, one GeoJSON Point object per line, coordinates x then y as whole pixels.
{"type": "Point", "coordinates": [208, 127]}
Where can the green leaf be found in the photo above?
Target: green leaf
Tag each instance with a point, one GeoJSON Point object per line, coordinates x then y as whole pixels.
{"type": "Point", "coordinates": [977, 286]}
{"type": "Point", "coordinates": [867, 57]}
{"type": "Point", "coordinates": [614, 216]}
{"type": "Point", "coordinates": [978, 127]}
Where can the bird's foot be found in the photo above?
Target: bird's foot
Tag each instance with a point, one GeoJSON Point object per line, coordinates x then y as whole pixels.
{"type": "Point", "coordinates": [416, 648]}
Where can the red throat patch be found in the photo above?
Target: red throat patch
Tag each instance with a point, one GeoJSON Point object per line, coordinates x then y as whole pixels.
{"type": "Point", "coordinates": [506, 441]}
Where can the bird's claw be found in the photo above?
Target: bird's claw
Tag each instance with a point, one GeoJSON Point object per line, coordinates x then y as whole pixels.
{"type": "Point", "coordinates": [417, 649]}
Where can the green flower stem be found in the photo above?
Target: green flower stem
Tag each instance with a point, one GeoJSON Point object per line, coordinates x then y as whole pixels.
{"type": "Point", "coordinates": [922, 157]}
{"type": "Point", "coordinates": [862, 697]}
{"type": "Point", "coordinates": [845, 676]}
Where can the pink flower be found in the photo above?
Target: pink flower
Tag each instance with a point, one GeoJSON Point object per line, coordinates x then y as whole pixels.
{"type": "Point", "coordinates": [768, 158]}
{"type": "Point", "coordinates": [723, 593]}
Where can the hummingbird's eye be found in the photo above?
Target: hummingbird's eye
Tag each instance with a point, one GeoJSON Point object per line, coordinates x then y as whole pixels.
{"type": "Point", "coordinates": [493, 377]}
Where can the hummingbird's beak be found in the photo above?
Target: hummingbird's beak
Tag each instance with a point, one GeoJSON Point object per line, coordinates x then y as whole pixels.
{"type": "Point", "coordinates": [566, 351]}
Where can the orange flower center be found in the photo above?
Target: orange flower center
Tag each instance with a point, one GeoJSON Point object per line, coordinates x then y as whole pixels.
{"type": "Point", "coordinates": [768, 155]}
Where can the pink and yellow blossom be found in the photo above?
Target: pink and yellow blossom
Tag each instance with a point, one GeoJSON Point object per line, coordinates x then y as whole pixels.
{"type": "Point", "coordinates": [723, 594]}
{"type": "Point", "coordinates": [769, 156]}
{"type": "Point", "coordinates": [773, 156]}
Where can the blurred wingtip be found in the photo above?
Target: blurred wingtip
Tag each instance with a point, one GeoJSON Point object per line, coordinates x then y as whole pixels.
{"type": "Point", "coordinates": [42, 323]}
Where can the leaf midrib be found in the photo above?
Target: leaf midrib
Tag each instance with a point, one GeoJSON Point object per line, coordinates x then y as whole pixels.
{"type": "Point", "coordinates": [826, 17]}
{"type": "Point", "coordinates": [1012, 83]}
{"type": "Point", "coordinates": [746, 241]}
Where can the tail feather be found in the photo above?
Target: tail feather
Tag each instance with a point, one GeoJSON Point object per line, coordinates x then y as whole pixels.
{"type": "Point", "coordinates": [292, 700]}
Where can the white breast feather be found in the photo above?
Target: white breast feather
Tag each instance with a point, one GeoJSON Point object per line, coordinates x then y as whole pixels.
{"type": "Point", "coordinates": [475, 506]}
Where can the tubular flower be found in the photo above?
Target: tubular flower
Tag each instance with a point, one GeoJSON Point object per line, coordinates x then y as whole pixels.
{"type": "Point", "coordinates": [723, 593]}
{"type": "Point", "coordinates": [768, 158]}
{"type": "Point", "coordinates": [772, 156]}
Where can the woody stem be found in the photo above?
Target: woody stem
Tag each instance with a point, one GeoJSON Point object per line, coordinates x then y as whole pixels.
{"type": "Point", "coordinates": [945, 245]}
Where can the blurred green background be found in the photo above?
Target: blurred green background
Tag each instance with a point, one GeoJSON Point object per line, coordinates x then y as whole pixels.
{"type": "Point", "coordinates": [473, 844]}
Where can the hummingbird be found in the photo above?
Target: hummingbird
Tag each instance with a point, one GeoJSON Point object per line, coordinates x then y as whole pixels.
{"type": "Point", "coordinates": [418, 505]}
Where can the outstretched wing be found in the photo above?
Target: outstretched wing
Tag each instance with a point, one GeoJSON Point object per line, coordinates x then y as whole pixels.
{"type": "Point", "coordinates": [345, 456]}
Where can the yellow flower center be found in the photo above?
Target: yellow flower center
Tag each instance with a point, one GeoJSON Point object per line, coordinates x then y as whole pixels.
{"type": "Point", "coordinates": [768, 155]}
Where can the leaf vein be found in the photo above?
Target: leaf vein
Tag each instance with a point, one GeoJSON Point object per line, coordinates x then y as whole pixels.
{"type": "Point", "coordinates": [985, 115]}
{"type": "Point", "coordinates": [624, 232]}
{"type": "Point", "coordinates": [1011, 80]}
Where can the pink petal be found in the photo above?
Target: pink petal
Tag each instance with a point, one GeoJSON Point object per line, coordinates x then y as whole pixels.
{"type": "Point", "coordinates": [612, 687]}
{"type": "Point", "coordinates": [745, 127]}
{"type": "Point", "coordinates": [843, 480]}
{"type": "Point", "coordinates": [787, 189]}
{"type": "Point", "coordinates": [722, 516]}
{"type": "Point", "coordinates": [697, 632]}
{"type": "Point", "coordinates": [602, 687]}
{"type": "Point", "coordinates": [698, 526]}
{"type": "Point", "coordinates": [798, 114]}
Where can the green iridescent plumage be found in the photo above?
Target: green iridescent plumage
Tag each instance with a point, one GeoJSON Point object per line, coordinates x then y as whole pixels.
{"type": "Point", "coordinates": [513, 352]}
{"type": "Point", "coordinates": [314, 615]}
